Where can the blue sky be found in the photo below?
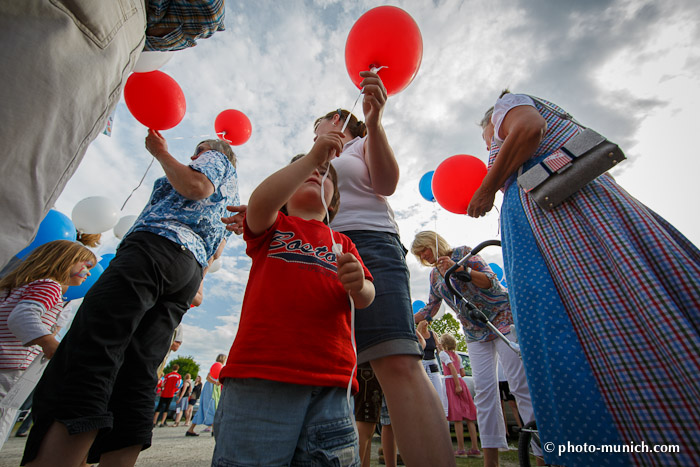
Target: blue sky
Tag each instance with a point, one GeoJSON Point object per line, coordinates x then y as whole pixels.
{"type": "Point", "coordinates": [629, 69]}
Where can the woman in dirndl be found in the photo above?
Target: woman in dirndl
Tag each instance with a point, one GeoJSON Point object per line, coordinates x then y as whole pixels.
{"type": "Point", "coordinates": [606, 300]}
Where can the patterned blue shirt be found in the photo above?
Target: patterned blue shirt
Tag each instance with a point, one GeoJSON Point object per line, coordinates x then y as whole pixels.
{"type": "Point", "coordinates": [194, 224]}
{"type": "Point", "coordinates": [492, 301]}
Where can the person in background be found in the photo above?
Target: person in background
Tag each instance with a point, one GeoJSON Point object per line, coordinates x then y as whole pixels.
{"type": "Point", "coordinates": [183, 398]}
{"type": "Point", "coordinates": [209, 398]}
{"type": "Point", "coordinates": [476, 282]}
{"type": "Point", "coordinates": [173, 381]}
{"type": "Point", "coordinates": [128, 317]}
{"type": "Point", "coordinates": [194, 397]}
{"type": "Point", "coordinates": [430, 362]}
{"type": "Point", "coordinates": [605, 296]}
{"type": "Point", "coordinates": [507, 398]}
{"type": "Point", "coordinates": [87, 50]}
{"type": "Point", "coordinates": [460, 404]}
{"type": "Point", "coordinates": [30, 305]}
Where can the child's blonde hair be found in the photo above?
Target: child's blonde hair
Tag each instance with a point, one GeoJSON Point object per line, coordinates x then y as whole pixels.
{"type": "Point", "coordinates": [426, 239]}
{"type": "Point", "coordinates": [448, 341]}
{"type": "Point", "coordinates": [52, 260]}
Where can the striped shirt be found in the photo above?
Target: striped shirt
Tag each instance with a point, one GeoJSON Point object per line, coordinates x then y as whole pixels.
{"type": "Point", "coordinates": [177, 24]}
{"type": "Point", "coordinates": [43, 292]}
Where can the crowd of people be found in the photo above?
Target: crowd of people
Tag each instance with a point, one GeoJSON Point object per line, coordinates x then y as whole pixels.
{"type": "Point", "coordinates": [608, 357]}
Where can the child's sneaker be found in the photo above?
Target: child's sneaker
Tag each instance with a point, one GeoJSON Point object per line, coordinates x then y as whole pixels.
{"type": "Point", "coordinates": [473, 453]}
{"type": "Point", "coordinates": [461, 453]}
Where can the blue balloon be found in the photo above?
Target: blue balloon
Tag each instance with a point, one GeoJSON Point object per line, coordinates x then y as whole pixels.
{"type": "Point", "coordinates": [425, 186]}
{"type": "Point", "coordinates": [106, 258]}
{"type": "Point", "coordinates": [418, 306]}
{"type": "Point", "coordinates": [498, 270]}
{"type": "Point", "coordinates": [55, 226]}
{"type": "Point", "coordinates": [76, 292]}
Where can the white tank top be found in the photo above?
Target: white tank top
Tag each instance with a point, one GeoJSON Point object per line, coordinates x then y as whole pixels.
{"type": "Point", "coordinates": [360, 207]}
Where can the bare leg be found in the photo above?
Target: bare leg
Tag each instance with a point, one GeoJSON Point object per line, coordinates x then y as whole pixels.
{"type": "Point", "coordinates": [178, 416]}
{"type": "Point", "coordinates": [514, 408]}
{"type": "Point", "coordinates": [472, 434]}
{"type": "Point", "coordinates": [459, 432]}
{"type": "Point", "coordinates": [389, 445]}
{"type": "Point", "coordinates": [416, 412]}
{"type": "Point", "coordinates": [365, 431]}
{"type": "Point", "coordinates": [165, 415]}
{"type": "Point", "coordinates": [490, 457]}
{"type": "Point", "coordinates": [59, 449]}
{"type": "Point", "coordinates": [191, 428]}
{"type": "Point", "coordinates": [125, 457]}
{"type": "Point", "coordinates": [188, 415]}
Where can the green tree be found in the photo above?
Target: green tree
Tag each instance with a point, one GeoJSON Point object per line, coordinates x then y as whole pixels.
{"type": "Point", "coordinates": [187, 365]}
{"type": "Point", "coordinates": [448, 323]}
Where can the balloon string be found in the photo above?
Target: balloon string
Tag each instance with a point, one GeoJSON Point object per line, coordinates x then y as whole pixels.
{"type": "Point", "coordinates": [137, 186]}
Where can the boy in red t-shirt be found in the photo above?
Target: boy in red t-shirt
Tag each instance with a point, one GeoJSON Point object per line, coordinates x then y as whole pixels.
{"type": "Point", "coordinates": [285, 383]}
{"type": "Point", "coordinates": [172, 382]}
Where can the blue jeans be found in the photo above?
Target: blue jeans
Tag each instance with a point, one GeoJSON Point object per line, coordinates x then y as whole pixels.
{"type": "Point", "coordinates": [386, 326]}
{"type": "Point", "coordinates": [261, 422]}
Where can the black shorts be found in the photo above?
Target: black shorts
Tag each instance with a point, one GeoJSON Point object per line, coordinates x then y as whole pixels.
{"type": "Point", "coordinates": [368, 400]}
{"type": "Point", "coordinates": [164, 404]}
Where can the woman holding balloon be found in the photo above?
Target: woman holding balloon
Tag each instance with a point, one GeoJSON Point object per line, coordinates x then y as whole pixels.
{"type": "Point", "coordinates": [126, 321]}
{"type": "Point", "coordinates": [605, 296]}
{"type": "Point", "coordinates": [476, 281]}
{"type": "Point", "coordinates": [367, 173]}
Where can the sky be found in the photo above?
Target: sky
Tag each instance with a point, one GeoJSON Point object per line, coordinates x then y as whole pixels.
{"type": "Point", "coordinates": [628, 69]}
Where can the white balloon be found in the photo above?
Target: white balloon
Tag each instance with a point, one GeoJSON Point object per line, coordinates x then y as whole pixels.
{"type": "Point", "coordinates": [123, 225]}
{"type": "Point", "coordinates": [152, 60]}
{"type": "Point", "coordinates": [216, 265]}
{"type": "Point", "coordinates": [94, 215]}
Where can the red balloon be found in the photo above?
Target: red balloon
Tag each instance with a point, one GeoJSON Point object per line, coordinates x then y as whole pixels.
{"type": "Point", "coordinates": [385, 36]}
{"type": "Point", "coordinates": [233, 126]}
{"type": "Point", "coordinates": [155, 99]}
{"type": "Point", "coordinates": [455, 181]}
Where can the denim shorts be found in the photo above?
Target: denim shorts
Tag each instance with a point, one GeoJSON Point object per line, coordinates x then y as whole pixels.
{"type": "Point", "coordinates": [386, 326]}
{"type": "Point", "coordinates": [261, 422]}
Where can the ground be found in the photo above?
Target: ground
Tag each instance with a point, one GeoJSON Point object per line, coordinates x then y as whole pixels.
{"type": "Point", "coordinates": [171, 448]}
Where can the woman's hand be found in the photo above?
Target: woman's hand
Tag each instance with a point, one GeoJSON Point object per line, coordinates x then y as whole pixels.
{"type": "Point", "coordinates": [443, 264]}
{"type": "Point", "coordinates": [155, 143]}
{"type": "Point", "coordinates": [481, 203]}
{"type": "Point", "coordinates": [374, 98]}
{"type": "Point", "coordinates": [458, 387]}
{"type": "Point", "coordinates": [235, 223]}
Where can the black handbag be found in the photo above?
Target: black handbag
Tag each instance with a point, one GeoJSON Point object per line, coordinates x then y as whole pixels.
{"type": "Point", "coordinates": [582, 159]}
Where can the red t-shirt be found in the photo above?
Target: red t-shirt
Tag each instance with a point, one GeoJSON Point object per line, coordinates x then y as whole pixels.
{"type": "Point", "coordinates": [215, 370]}
{"type": "Point", "coordinates": [295, 319]}
{"type": "Point", "coordinates": [172, 381]}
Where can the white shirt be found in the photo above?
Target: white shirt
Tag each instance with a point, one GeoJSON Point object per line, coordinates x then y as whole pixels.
{"type": "Point", "coordinates": [502, 107]}
{"type": "Point", "coordinates": [360, 207]}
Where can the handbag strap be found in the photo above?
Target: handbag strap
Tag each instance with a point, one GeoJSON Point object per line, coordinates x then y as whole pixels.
{"type": "Point", "coordinates": [565, 115]}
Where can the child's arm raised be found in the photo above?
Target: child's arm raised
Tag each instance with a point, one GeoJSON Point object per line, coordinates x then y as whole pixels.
{"type": "Point", "coordinates": [352, 276]}
{"type": "Point", "coordinates": [269, 197]}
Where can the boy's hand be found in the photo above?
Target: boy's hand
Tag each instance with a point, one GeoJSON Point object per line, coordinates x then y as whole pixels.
{"type": "Point", "coordinates": [235, 223]}
{"type": "Point", "coordinates": [350, 273]}
{"type": "Point", "coordinates": [326, 148]}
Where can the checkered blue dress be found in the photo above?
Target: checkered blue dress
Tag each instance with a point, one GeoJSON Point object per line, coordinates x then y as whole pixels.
{"type": "Point", "coordinates": [606, 300]}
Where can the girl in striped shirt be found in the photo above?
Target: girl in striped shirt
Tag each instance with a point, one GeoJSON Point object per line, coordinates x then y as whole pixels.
{"type": "Point", "coordinates": [30, 302]}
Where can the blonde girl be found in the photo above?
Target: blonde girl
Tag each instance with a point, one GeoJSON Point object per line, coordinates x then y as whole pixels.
{"type": "Point", "coordinates": [460, 404]}
{"type": "Point", "coordinates": [30, 303]}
